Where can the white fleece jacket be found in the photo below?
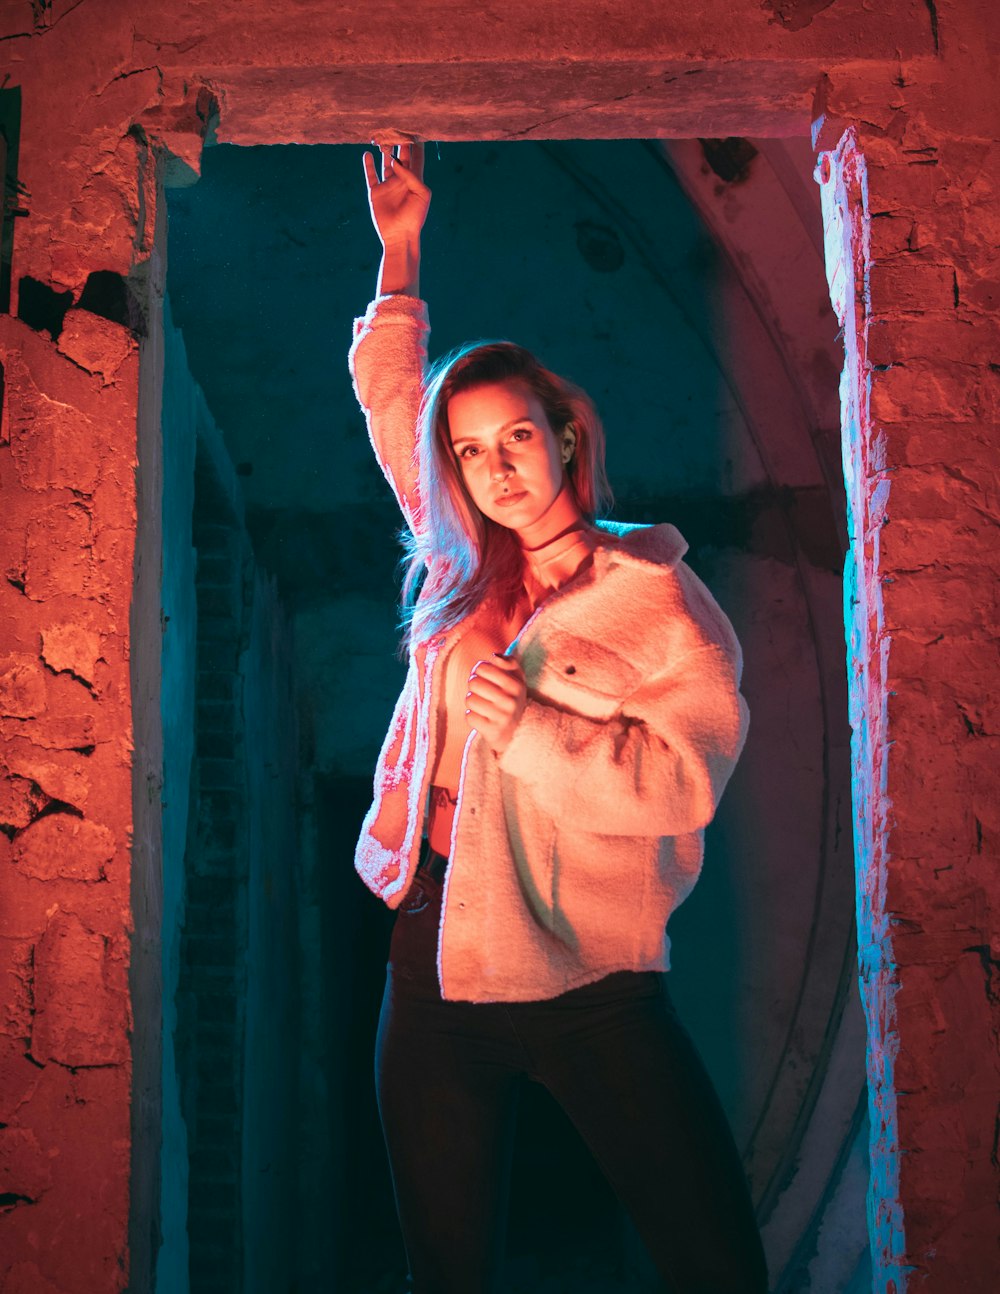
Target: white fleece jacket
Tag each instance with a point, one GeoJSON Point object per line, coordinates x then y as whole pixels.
{"type": "Point", "coordinates": [571, 849]}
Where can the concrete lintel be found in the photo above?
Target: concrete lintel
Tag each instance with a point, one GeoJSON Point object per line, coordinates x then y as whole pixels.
{"type": "Point", "coordinates": [520, 99]}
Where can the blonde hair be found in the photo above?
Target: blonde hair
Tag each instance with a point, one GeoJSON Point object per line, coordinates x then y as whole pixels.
{"type": "Point", "coordinates": [464, 556]}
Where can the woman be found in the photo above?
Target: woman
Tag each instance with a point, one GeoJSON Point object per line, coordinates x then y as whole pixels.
{"type": "Point", "coordinates": [570, 717]}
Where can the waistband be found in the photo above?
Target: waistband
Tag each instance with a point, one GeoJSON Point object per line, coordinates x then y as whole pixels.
{"type": "Point", "coordinates": [431, 863]}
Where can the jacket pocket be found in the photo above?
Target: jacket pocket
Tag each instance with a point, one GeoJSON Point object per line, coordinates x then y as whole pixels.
{"type": "Point", "coordinates": [575, 673]}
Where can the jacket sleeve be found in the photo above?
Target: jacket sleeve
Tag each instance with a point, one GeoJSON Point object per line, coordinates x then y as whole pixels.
{"type": "Point", "coordinates": [388, 360]}
{"type": "Point", "coordinates": [656, 768]}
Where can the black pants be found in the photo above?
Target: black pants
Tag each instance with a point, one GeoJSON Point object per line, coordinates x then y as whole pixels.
{"type": "Point", "coordinates": [619, 1062]}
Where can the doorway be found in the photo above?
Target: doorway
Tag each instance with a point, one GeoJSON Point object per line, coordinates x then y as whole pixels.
{"type": "Point", "coordinates": [604, 257]}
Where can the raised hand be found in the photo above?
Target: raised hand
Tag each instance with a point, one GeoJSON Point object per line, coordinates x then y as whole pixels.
{"type": "Point", "coordinates": [496, 699]}
{"type": "Point", "coordinates": [399, 200]}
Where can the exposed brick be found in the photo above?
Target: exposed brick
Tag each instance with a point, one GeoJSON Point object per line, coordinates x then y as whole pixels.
{"type": "Point", "coordinates": [216, 716]}
{"type": "Point", "coordinates": [217, 1092]}
{"type": "Point", "coordinates": [52, 439]}
{"type": "Point", "coordinates": [209, 891]}
{"type": "Point", "coordinates": [215, 656]}
{"type": "Point", "coordinates": [897, 185]}
{"type": "Point", "coordinates": [69, 783]}
{"type": "Point", "coordinates": [20, 801]}
{"type": "Point", "coordinates": [215, 1039]}
{"type": "Point", "coordinates": [216, 685]}
{"type": "Point", "coordinates": [217, 1197]}
{"type": "Point", "coordinates": [220, 1165]}
{"type": "Point", "coordinates": [915, 390]}
{"type": "Point", "coordinates": [215, 921]}
{"type": "Point", "coordinates": [212, 952]}
{"type": "Point", "coordinates": [25, 1168]}
{"type": "Point", "coordinates": [80, 997]}
{"type": "Point", "coordinates": [905, 283]}
{"type": "Point", "coordinates": [62, 845]}
{"type": "Point", "coordinates": [222, 837]}
{"type": "Point", "coordinates": [961, 341]}
{"type": "Point", "coordinates": [213, 1267]}
{"type": "Point", "coordinates": [56, 732]}
{"type": "Point", "coordinates": [17, 1002]}
{"type": "Point", "coordinates": [219, 774]}
{"type": "Point", "coordinates": [71, 647]}
{"type": "Point", "coordinates": [216, 571]}
{"type": "Point", "coordinates": [892, 234]}
{"type": "Point", "coordinates": [96, 344]}
{"type": "Point", "coordinates": [212, 628]}
{"type": "Point", "coordinates": [214, 1126]}
{"type": "Point", "coordinates": [938, 598]}
{"type": "Point", "coordinates": [22, 686]}
{"type": "Point", "coordinates": [220, 804]}
{"type": "Point", "coordinates": [216, 745]}
{"type": "Point", "coordinates": [982, 293]}
{"type": "Point", "coordinates": [25, 1278]}
{"type": "Point", "coordinates": [214, 538]}
{"type": "Point", "coordinates": [220, 600]}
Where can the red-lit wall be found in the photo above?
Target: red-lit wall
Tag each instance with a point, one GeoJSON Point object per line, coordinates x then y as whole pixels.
{"type": "Point", "coordinates": [110, 90]}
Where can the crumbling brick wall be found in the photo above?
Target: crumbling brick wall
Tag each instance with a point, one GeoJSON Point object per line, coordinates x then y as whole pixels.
{"type": "Point", "coordinates": [109, 88]}
{"type": "Point", "coordinates": [67, 455]}
{"type": "Point", "coordinates": [915, 284]}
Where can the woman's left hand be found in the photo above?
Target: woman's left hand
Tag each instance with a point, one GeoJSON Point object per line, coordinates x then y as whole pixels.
{"type": "Point", "coordinates": [496, 699]}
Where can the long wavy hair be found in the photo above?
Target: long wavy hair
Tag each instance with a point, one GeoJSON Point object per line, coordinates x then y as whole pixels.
{"type": "Point", "coordinates": [456, 557]}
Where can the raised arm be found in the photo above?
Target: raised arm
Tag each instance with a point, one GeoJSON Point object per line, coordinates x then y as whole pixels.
{"type": "Point", "coordinates": [389, 354]}
{"type": "Point", "coordinates": [398, 203]}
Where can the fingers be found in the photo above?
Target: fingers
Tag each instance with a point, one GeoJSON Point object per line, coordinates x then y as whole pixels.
{"type": "Point", "coordinates": [415, 160]}
{"type": "Point", "coordinates": [404, 160]}
{"type": "Point", "coordinates": [487, 698]}
{"type": "Point", "coordinates": [496, 699]}
{"type": "Point", "coordinates": [411, 155]}
{"type": "Point", "coordinates": [371, 175]}
{"type": "Point", "coordinates": [491, 678]}
{"type": "Point", "coordinates": [509, 664]}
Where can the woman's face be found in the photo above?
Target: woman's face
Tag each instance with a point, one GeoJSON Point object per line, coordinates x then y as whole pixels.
{"type": "Point", "coordinates": [508, 454]}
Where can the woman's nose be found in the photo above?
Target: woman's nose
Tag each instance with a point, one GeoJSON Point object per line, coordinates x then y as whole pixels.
{"type": "Point", "coordinates": [500, 465]}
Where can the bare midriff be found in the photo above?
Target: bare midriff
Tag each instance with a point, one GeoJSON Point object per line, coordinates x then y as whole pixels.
{"type": "Point", "coordinates": [490, 632]}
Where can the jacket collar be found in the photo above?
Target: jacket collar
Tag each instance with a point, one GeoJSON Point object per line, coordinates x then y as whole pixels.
{"type": "Point", "coordinates": [627, 544]}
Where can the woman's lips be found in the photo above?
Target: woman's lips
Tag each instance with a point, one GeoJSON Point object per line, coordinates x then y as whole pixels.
{"type": "Point", "coordinates": [504, 500]}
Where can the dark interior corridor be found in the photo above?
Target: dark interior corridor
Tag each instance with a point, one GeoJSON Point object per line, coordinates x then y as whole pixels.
{"type": "Point", "coordinates": [683, 285]}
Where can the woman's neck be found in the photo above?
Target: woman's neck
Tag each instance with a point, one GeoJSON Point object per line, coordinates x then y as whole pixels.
{"type": "Point", "coordinates": [555, 546]}
{"type": "Point", "coordinates": [561, 514]}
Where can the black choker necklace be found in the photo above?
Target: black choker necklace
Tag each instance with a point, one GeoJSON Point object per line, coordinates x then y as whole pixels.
{"type": "Point", "coordinates": [576, 525]}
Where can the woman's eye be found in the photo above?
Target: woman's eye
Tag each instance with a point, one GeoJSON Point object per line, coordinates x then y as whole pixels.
{"type": "Point", "coordinates": [522, 433]}
{"type": "Point", "coordinates": [468, 452]}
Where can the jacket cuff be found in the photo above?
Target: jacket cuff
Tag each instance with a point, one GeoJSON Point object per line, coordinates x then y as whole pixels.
{"type": "Point", "coordinates": [392, 307]}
